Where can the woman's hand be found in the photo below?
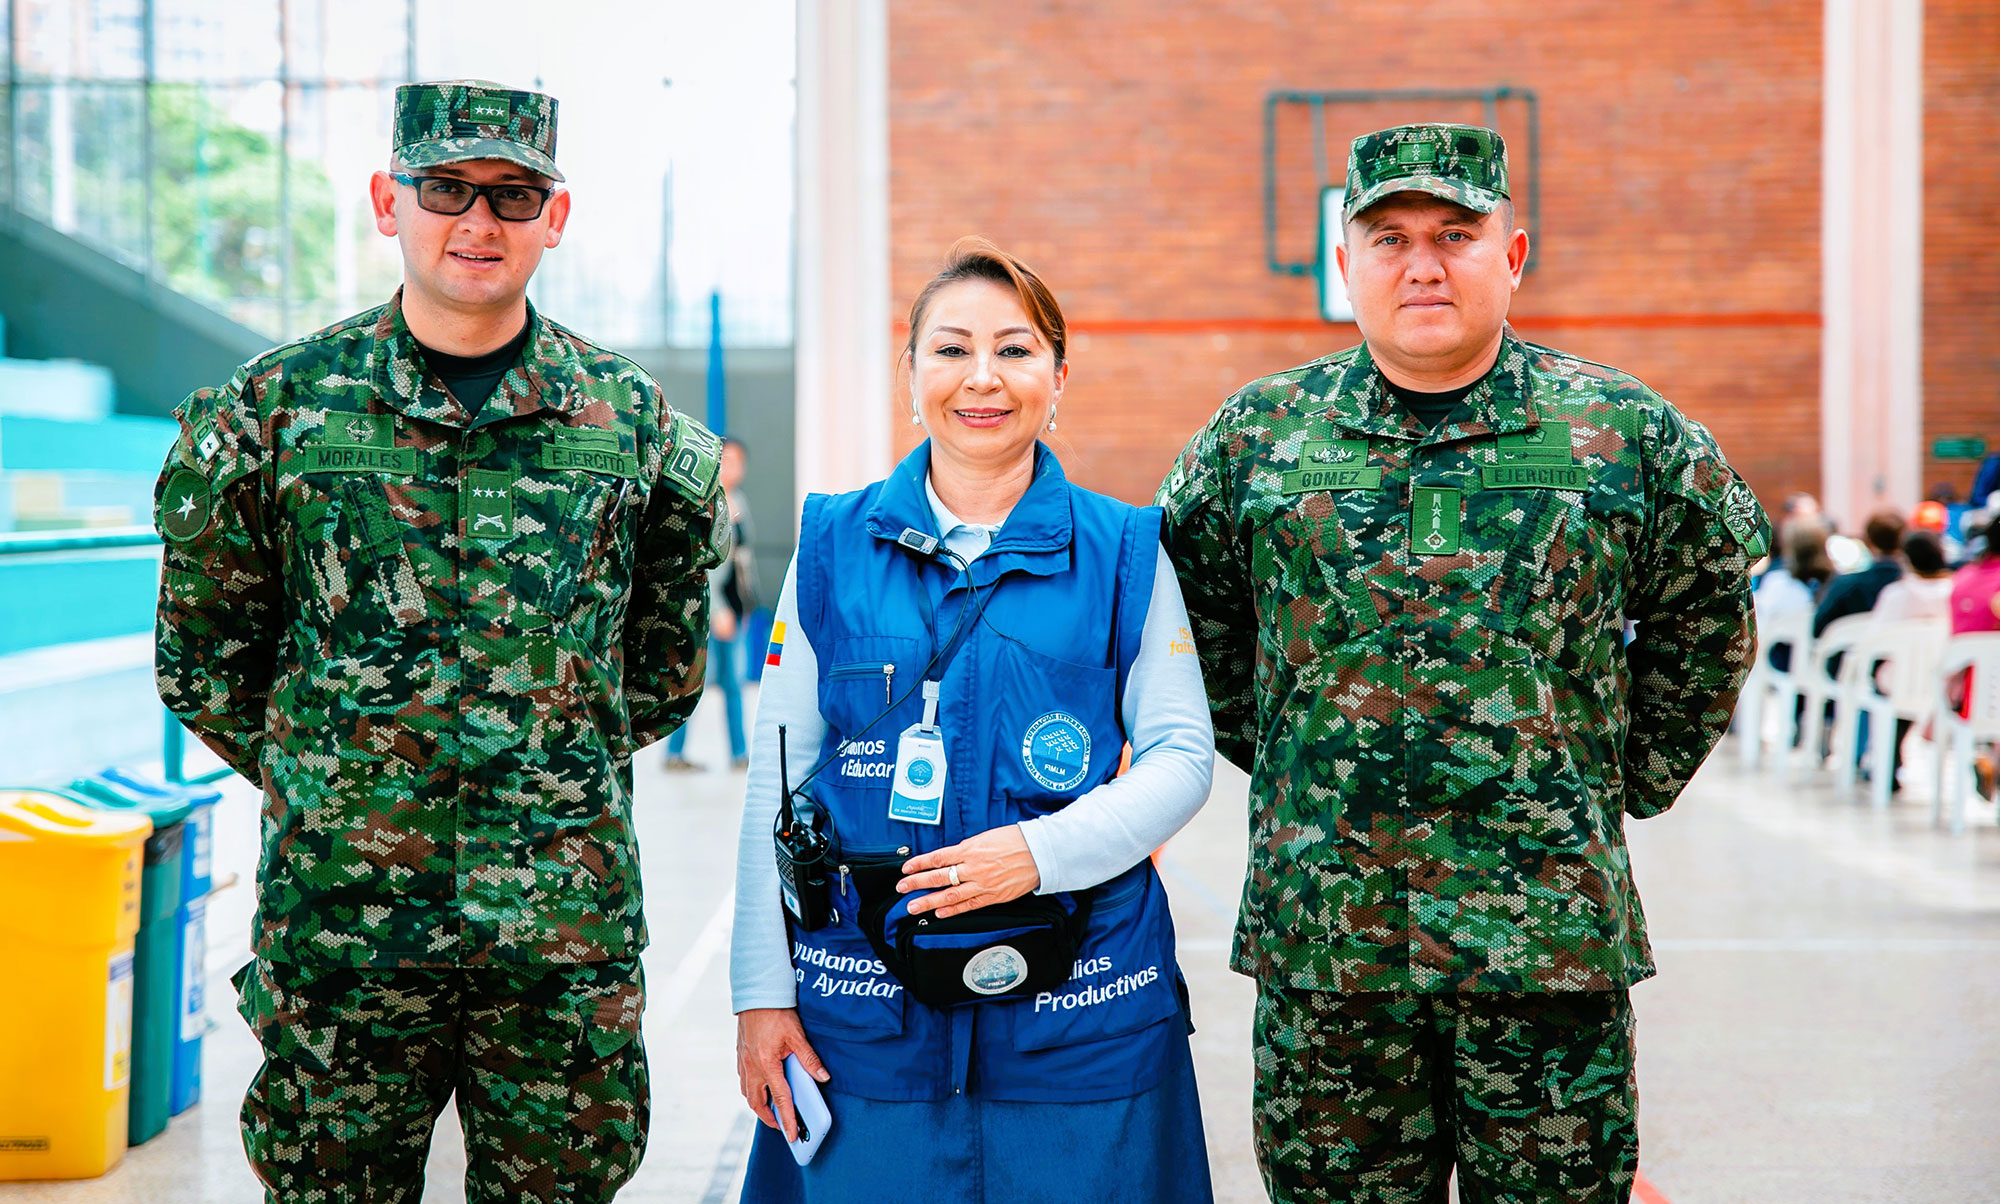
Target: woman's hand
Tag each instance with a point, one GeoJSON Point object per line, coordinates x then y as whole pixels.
{"type": "Point", "coordinates": [993, 867]}
{"type": "Point", "coordinates": [763, 1037]}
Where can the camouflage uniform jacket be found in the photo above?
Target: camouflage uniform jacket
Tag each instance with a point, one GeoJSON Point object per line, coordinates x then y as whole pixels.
{"type": "Point", "coordinates": [435, 637]}
{"type": "Point", "coordinates": [1413, 643]}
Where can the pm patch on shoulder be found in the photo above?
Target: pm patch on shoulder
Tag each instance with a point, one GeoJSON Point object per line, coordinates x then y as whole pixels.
{"type": "Point", "coordinates": [693, 458]}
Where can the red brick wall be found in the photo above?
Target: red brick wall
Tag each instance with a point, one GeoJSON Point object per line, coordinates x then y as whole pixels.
{"type": "Point", "coordinates": [1118, 146]}
{"type": "Point", "coordinates": [1961, 266]}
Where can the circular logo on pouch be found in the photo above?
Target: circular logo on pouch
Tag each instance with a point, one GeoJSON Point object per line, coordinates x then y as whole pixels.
{"type": "Point", "coordinates": [921, 773]}
{"type": "Point", "coordinates": [1056, 751]}
{"type": "Point", "coordinates": [991, 971]}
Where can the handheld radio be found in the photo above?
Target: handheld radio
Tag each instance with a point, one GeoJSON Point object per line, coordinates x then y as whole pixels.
{"type": "Point", "coordinates": [802, 851]}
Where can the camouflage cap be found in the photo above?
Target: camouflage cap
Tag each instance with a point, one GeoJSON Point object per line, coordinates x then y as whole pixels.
{"type": "Point", "coordinates": [456, 120]}
{"type": "Point", "coordinates": [1462, 163]}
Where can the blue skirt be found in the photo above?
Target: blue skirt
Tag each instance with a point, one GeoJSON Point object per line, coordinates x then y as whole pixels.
{"type": "Point", "coordinates": [966, 1150]}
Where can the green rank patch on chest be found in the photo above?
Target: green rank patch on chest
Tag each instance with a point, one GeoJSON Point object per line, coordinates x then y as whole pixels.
{"type": "Point", "coordinates": [489, 504]}
{"type": "Point", "coordinates": [1434, 521]}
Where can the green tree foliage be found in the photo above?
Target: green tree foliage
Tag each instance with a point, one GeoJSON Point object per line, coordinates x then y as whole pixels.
{"type": "Point", "coordinates": [216, 226]}
{"type": "Point", "coordinates": [216, 232]}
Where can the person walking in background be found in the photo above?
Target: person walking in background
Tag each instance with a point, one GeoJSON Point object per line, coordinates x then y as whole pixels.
{"type": "Point", "coordinates": [1407, 566]}
{"type": "Point", "coordinates": [990, 991]}
{"type": "Point", "coordinates": [733, 595]}
{"type": "Point", "coordinates": [431, 576]}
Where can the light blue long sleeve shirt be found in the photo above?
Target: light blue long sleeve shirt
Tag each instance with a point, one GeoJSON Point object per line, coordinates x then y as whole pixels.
{"type": "Point", "coordinates": [1100, 835]}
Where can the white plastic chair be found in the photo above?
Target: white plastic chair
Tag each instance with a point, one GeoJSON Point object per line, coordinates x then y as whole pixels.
{"type": "Point", "coordinates": [1766, 687]}
{"type": "Point", "coordinates": [1817, 687]}
{"type": "Point", "coordinates": [1958, 736]}
{"type": "Point", "coordinates": [1910, 651]}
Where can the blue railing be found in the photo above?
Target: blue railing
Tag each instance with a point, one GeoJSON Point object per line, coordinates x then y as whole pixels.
{"type": "Point", "coordinates": [173, 745]}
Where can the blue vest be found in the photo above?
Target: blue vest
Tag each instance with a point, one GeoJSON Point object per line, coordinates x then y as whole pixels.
{"type": "Point", "coordinates": [1029, 707]}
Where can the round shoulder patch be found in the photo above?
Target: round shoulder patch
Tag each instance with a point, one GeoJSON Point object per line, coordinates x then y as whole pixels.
{"type": "Point", "coordinates": [184, 507]}
{"type": "Point", "coordinates": [1056, 751]}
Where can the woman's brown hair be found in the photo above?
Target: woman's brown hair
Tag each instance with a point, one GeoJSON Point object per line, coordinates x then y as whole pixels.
{"type": "Point", "coordinates": [976, 258]}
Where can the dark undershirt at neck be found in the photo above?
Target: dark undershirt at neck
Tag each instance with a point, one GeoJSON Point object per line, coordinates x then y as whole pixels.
{"type": "Point", "coordinates": [473, 378]}
{"type": "Point", "coordinates": [1430, 408]}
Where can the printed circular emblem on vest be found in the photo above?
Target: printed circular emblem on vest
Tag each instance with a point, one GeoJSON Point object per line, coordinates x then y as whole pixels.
{"type": "Point", "coordinates": [1057, 751]}
{"type": "Point", "coordinates": [184, 505]}
{"type": "Point", "coordinates": [921, 772]}
{"type": "Point", "coordinates": [991, 971]}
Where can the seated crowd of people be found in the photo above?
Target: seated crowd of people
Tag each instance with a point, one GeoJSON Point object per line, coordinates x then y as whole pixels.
{"type": "Point", "coordinates": [1923, 566]}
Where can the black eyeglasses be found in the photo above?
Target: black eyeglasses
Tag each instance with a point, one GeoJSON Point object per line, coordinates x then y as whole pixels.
{"type": "Point", "coordinates": [448, 195]}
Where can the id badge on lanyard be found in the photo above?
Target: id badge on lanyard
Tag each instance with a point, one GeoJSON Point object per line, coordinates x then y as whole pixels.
{"type": "Point", "coordinates": [917, 794]}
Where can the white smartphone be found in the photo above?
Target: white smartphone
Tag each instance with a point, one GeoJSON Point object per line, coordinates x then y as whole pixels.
{"type": "Point", "coordinates": [810, 1107]}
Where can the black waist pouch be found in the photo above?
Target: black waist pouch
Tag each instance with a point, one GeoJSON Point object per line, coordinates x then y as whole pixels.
{"type": "Point", "coordinates": [1010, 950]}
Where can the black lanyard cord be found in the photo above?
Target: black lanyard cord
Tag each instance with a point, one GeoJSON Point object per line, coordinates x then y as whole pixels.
{"type": "Point", "coordinates": [975, 610]}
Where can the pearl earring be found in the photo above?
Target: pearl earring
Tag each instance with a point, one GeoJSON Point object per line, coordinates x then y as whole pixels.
{"type": "Point", "coordinates": [1052, 419]}
{"type": "Point", "coordinates": [916, 419]}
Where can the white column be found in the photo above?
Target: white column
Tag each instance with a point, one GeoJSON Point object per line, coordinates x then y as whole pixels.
{"type": "Point", "coordinates": [844, 339]}
{"type": "Point", "coordinates": [1871, 298]}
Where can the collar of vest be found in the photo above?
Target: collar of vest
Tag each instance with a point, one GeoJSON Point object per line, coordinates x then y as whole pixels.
{"type": "Point", "coordinates": [541, 381]}
{"type": "Point", "coordinates": [1036, 537]}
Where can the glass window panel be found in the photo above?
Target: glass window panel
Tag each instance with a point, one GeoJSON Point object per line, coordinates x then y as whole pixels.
{"type": "Point", "coordinates": [201, 40]}
{"type": "Point", "coordinates": [8, 154]}
{"type": "Point", "coordinates": [32, 150]}
{"type": "Point", "coordinates": [82, 39]}
{"type": "Point", "coordinates": [348, 41]}
{"type": "Point", "coordinates": [217, 229]}
{"type": "Point", "coordinates": [80, 159]}
{"type": "Point", "coordinates": [341, 264]}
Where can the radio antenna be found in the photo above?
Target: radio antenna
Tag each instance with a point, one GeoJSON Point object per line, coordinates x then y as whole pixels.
{"type": "Point", "coordinates": [784, 785]}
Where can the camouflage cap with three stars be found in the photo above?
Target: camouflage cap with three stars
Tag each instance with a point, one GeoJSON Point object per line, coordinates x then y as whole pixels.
{"type": "Point", "coordinates": [456, 120]}
{"type": "Point", "coordinates": [1462, 163]}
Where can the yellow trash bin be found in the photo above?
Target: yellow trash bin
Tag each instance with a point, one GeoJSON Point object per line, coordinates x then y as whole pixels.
{"type": "Point", "coordinates": [69, 907]}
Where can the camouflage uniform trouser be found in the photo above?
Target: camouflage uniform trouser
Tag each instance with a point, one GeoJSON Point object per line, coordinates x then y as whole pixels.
{"type": "Point", "coordinates": [546, 1061]}
{"type": "Point", "coordinates": [1373, 1098]}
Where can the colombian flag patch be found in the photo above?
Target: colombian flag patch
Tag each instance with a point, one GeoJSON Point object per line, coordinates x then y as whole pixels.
{"type": "Point", "coordinates": [777, 649]}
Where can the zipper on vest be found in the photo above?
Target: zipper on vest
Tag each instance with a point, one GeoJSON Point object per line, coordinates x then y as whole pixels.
{"type": "Point", "coordinates": [845, 870]}
{"type": "Point", "coordinates": [869, 669]}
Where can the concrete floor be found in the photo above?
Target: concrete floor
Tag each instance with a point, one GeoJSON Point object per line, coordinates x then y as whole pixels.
{"type": "Point", "coordinates": [1821, 1030]}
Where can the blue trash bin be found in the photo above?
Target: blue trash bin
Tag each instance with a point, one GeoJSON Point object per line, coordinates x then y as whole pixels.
{"type": "Point", "coordinates": [180, 1018]}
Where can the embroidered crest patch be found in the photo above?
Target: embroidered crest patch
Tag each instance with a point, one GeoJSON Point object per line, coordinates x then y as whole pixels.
{"type": "Point", "coordinates": [185, 505]}
{"type": "Point", "coordinates": [1056, 751]}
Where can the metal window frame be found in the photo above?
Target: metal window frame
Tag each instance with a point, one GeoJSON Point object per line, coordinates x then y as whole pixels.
{"type": "Point", "coordinates": [290, 86]}
{"type": "Point", "coordinates": [1317, 102]}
